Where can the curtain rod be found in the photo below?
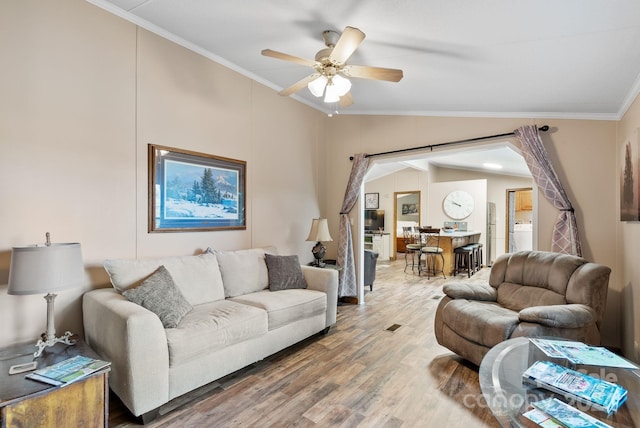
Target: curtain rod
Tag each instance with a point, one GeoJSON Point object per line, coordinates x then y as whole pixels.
{"type": "Point", "coordinates": [543, 128]}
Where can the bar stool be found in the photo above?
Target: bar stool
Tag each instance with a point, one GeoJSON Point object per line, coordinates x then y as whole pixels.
{"type": "Point", "coordinates": [463, 260]}
{"type": "Point", "coordinates": [475, 257]}
{"type": "Point", "coordinates": [431, 249]}
{"type": "Point", "coordinates": [412, 246]}
{"type": "Point", "coordinates": [478, 256]}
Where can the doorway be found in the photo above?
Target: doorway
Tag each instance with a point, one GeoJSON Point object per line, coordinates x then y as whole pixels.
{"type": "Point", "coordinates": [406, 211]}
{"type": "Point", "coordinates": [519, 224]}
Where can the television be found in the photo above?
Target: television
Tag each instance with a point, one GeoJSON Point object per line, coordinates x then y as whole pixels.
{"type": "Point", "coordinates": [373, 220]}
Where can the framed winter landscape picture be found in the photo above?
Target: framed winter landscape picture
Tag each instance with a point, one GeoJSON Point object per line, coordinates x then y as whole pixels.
{"type": "Point", "coordinates": [190, 191]}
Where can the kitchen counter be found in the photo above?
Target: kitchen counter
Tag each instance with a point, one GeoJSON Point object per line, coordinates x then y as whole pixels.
{"type": "Point", "coordinates": [452, 240]}
{"type": "Point", "coordinates": [457, 234]}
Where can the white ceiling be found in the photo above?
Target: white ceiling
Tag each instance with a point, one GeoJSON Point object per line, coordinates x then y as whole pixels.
{"type": "Point", "coordinates": [524, 58]}
{"type": "Point", "coordinates": [494, 158]}
{"type": "Point", "coordinates": [498, 58]}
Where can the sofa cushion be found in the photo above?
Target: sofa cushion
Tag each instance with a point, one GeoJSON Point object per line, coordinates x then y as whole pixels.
{"type": "Point", "coordinates": [484, 323]}
{"type": "Point", "coordinates": [159, 294]}
{"type": "Point", "coordinates": [243, 271]}
{"type": "Point", "coordinates": [212, 326]}
{"type": "Point", "coordinates": [284, 272]}
{"type": "Point", "coordinates": [286, 306]}
{"type": "Point", "coordinates": [197, 277]}
{"type": "Point", "coordinates": [517, 297]}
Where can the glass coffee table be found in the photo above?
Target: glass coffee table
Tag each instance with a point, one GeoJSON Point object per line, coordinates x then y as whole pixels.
{"type": "Point", "coordinates": [508, 397]}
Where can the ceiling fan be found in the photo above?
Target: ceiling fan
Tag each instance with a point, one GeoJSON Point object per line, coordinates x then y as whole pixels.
{"type": "Point", "coordinates": [331, 71]}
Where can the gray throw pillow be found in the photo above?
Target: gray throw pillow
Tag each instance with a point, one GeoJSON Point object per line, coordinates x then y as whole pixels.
{"type": "Point", "coordinates": [159, 294]}
{"type": "Point", "coordinates": [284, 272]}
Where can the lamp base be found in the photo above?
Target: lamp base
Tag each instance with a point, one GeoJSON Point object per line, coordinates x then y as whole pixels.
{"type": "Point", "coordinates": [49, 338]}
{"type": "Point", "coordinates": [318, 263]}
{"type": "Point", "coordinates": [319, 251]}
{"type": "Point", "coordinates": [45, 342]}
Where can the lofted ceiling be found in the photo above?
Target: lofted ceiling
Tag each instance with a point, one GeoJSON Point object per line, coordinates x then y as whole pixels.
{"type": "Point", "coordinates": [498, 58]}
{"type": "Point", "coordinates": [501, 158]}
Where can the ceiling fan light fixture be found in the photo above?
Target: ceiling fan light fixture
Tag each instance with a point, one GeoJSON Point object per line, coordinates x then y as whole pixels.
{"type": "Point", "coordinates": [331, 94]}
{"type": "Point", "coordinates": [316, 86]}
{"type": "Point", "coordinates": [342, 84]}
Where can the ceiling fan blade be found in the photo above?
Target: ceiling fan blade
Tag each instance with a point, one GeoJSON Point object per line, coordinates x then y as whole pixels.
{"type": "Point", "coordinates": [287, 57]}
{"type": "Point", "coordinates": [298, 85]}
{"type": "Point", "coordinates": [345, 46]}
{"type": "Point", "coordinates": [376, 73]}
{"type": "Point", "coordinates": [346, 100]}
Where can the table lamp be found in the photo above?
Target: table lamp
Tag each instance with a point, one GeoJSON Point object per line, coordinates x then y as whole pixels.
{"type": "Point", "coordinates": [42, 269]}
{"type": "Point", "coordinates": [319, 232]}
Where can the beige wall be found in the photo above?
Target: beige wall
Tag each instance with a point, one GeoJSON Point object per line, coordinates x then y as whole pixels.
{"type": "Point", "coordinates": [582, 152]}
{"type": "Point", "coordinates": [497, 185]}
{"type": "Point", "coordinates": [83, 94]}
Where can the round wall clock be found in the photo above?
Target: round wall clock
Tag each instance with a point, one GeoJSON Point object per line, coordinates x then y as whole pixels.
{"type": "Point", "coordinates": [458, 204]}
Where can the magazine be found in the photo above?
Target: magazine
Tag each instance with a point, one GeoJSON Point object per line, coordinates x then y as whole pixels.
{"type": "Point", "coordinates": [541, 418]}
{"type": "Point", "coordinates": [597, 393]}
{"type": "Point", "coordinates": [68, 371]}
{"type": "Point", "coordinates": [567, 415]}
{"type": "Point", "coordinates": [580, 353]}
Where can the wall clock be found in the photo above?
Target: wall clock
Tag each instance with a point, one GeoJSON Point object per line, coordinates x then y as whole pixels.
{"type": "Point", "coordinates": [458, 204]}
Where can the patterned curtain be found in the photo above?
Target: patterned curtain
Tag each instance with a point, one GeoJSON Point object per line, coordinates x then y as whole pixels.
{"type": "Point", "coordinates": [565, 237]}
{"type": "Point", "coordinates": [348, 285]}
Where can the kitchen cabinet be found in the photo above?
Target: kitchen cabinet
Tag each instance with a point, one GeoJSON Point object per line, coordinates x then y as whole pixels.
{"type": "Point", "coordinates": [524, 200]}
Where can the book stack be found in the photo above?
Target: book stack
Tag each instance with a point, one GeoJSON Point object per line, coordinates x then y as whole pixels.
{"type": "Point", "coordinates": [68, 371]}
{"type": "Point", "coordinates": [553, 413]}
{"type": "Point", "coordinates": [576, 386]}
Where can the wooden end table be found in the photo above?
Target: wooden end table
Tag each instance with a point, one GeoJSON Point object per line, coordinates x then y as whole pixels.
{"type": "Point", "coordinates": [26, 402]}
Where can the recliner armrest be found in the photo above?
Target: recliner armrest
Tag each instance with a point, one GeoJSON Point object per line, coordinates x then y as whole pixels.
{"type": "Point", "coordinates": [564, 316]}
{"type": "Point", "coordinates": [471, 291]}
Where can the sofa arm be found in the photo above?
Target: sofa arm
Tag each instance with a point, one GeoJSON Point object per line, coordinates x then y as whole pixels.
{"type": "Point", "coordinates": [564, 316]}
{"type": "Point", "coordinates": [471, 291]}
{"type": "Point", "coordinates": [133, 339]}
{"type": "Point", "coordinates": [325, 280]}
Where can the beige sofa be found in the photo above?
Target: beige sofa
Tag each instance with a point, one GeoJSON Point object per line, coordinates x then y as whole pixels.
{"type": "Point", "coordinates": [529, 293]}
{"type": "Point", "coordinates": [234, 320]}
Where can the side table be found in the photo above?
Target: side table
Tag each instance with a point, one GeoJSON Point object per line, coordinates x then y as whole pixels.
{"type": "Point", "coordinates": [26, 402]}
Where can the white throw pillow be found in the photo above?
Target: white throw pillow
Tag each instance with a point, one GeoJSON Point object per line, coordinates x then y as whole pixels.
{"type": "Point", "coordinates": [243, 271]}
{"type": "Point", "coordinates": [197, 277]}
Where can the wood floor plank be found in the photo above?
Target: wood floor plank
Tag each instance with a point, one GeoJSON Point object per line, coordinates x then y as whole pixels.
{"type": "Point", "coordinates": [361, 374]}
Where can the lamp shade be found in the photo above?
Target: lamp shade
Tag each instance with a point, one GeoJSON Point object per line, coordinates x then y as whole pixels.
{"type": "Point", "coordinates": [40, 269]}
{"type": "Point", "coordinates": [316, 87]}
{"type": "Point", "coordinates": [319, 230]}
{"type": "Point", "coordinates": [331, 94]}
{"type": "Point", "coordinates": [343, 85]}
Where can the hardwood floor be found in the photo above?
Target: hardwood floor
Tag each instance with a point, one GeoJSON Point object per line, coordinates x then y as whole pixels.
{"type": "Point", "coordinates": [379, 366]}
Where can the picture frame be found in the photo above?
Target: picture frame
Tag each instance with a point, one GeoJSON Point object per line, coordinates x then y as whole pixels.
{"type": "Point", "coordinates": [191, 191]}
{"type": "Point", "coordinates": [629, 180]}
{"type": "Point", "coordinates": [371, 201]}
{"type": "Point", "coordinates": [409, 209]}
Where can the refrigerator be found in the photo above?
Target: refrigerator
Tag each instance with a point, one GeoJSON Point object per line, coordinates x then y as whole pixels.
{"type": "Point", "coordinates": [491, 233]}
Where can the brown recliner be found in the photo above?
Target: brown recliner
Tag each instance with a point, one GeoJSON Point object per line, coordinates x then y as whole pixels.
{"type": "Point", "coordinates": [529, 293]}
